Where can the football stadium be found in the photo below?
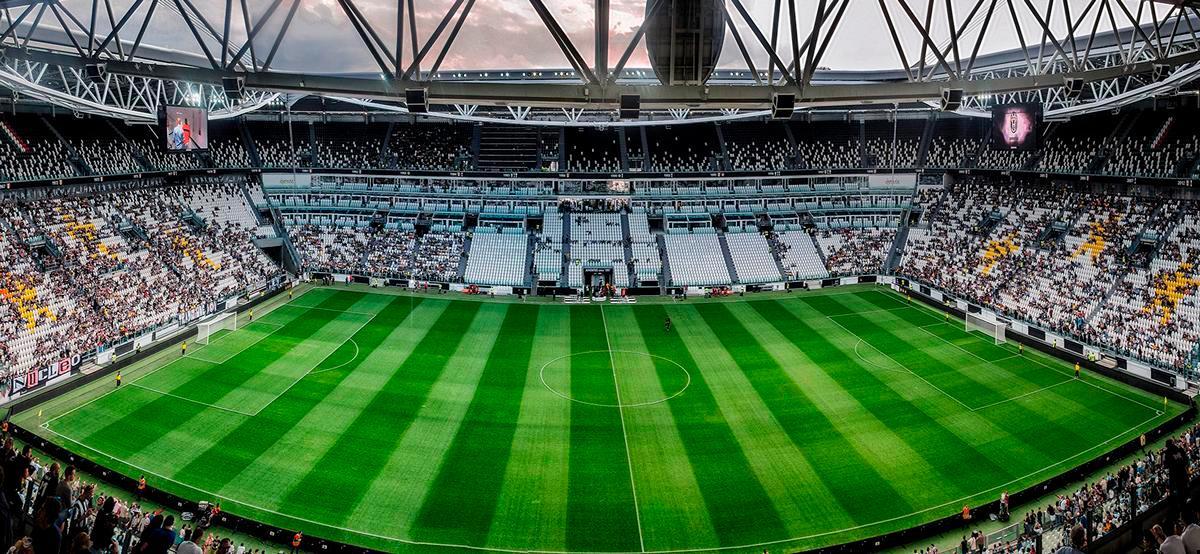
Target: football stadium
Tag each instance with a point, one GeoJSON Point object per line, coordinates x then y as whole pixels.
{"type": "Point", "coordinates": [646, 276]}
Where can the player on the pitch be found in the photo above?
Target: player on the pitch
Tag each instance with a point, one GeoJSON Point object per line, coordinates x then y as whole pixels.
{"type": "Point", "coordinates": [667, 325]}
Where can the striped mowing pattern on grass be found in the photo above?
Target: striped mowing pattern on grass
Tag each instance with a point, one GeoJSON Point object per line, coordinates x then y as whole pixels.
{"type": "Point", "coordinates": [404, 423]}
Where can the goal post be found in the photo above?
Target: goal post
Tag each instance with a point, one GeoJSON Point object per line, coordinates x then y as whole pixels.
{"type": "Point", "coordinates": [206, 329]}
{"type": "Point", "coordinates": [994, 328]}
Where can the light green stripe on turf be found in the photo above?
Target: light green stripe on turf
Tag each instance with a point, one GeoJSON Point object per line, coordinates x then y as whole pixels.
{"type": "Point", "coordinates": [461, 501]}
{"type": "Point", "coordinates": [531, 512]}
{"type": "Point", "coordinates": [127, 436]}
{"type": "Point", "coordinates": [168, 452]}
{"type": "Point", "coordinates": [301, 436]}
{"type": "Point", "coordinates": [943, 432]}
{"type": "Point", "coordinates": [1046, 426]}
{"type": "Point", "coordinates": [600, 494]}
{"type": "Point", "coordinates": [362, 450]}
{"type": "Point", "coordinates": [731, 493]}
{"type": "Point", "coordinates": [266, 385]}
{"type": "Point", "coordinates": [393, 501]}
{"type": "Point", "coordinates": [787, 475]}
{"type": "Point", "coordinates": [888, 452]}
{"type": "Point", "coordinates": [1015, 381]}
{"type": "Point", "coordinates": [673, 513]}
{"type": "Point", "coordinates": [843, 463]}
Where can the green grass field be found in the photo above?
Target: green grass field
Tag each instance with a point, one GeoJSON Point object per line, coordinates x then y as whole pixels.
{"type": "Point", "coordinates": [422, 423]}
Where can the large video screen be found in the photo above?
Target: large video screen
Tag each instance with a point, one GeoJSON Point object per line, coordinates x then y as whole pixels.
{"type": "Point", "coordinates": [1015, 126]}
{"type": "Point", "coordinates": [184, 129]}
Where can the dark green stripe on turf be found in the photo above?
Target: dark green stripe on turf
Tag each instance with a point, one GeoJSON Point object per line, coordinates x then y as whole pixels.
{"type": "Point", "coordinates": [159, 417]}
{"type": "Point", "coordinates": [344, 473]}
{"type": "Point", "coordinates": [730, 489]}
{"type": "Point", "coordinates": [462, 500]}
{"type": "Point", "coordinates": [237, 450]}
{"type": "Point", "coordinates": [866, 496]}
{"type": "Point", "coordinates": [599, 493]}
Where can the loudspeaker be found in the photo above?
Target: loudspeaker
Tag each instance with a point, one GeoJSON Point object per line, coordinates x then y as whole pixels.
{"type": "Point", "coordinates": [95, 72]}
{"type": "Point", "coordinates": [1074, 86]}
{"type": "Point", "coordinates": [234, 87]}
{"type": "Point", "coordinates": [951, 99]}
{"type": "Point", "coordinates": [782, 106]}
{"type": "Point", "coordinates": [417, 100]}
{"type": "Point", "coordinates": [631, 106]}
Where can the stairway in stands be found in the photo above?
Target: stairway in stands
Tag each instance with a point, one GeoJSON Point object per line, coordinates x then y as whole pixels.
{"type": "Point", "coordinates": [627, 241]}
{"type": "Point", "coordinates": [665, 280]}
{"type": "Point", "coordinates": [776, 253]}
{"type": "Point", "coordinates": [563, 278]}
{"type": "Point", "coordinates": [462, 259]}
{"type": "Point", "coordinates": [897, 250]}
{"type": "Point", "coordinates": [530, 248]}
{"type": "Point", "coordinates": [507, 148]}
{"type": "Point", "coordinates": [817, 247]}
{"type": "Point", "coordinates": [728, 258]}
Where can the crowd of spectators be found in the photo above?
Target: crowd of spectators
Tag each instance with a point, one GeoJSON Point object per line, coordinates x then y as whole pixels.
{"type": "Point", "coordinates": [1064, 260]}
{"type": "Point", "coordinates": [48, 509]}
{"type": "Point", "coordinates": [855, 251]}
{"type": "Point", "coordinates": [1073, 519]}
{"type": "Point", "coordinates": [83, 272]}
{"type": "Point", "coordinates": [383, 252]}
{"type": "Point", "coordinates": [1162, 146]}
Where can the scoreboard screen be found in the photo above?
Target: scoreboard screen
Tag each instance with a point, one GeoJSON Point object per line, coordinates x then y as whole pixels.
{"type": "Point", "coordinates": [1015, 126]}
{"type": "Point", "coordinates": [184, 129]}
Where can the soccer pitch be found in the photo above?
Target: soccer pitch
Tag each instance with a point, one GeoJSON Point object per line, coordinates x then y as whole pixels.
{"type": "Point", "coordinates": [402, 422]}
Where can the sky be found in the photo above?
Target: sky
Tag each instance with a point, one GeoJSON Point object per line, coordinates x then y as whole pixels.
{"type": "Point", "coordinates": [508, 33]}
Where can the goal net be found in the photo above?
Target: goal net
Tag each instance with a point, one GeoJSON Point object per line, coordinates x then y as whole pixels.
{"type": "Point", "coordinates": [995, 329]}
{"type": "Point", "coordinates": [206, 329]}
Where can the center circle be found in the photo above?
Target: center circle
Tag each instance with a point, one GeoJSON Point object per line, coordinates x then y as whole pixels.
{"type": "Point", "coordinates": [602, 366]}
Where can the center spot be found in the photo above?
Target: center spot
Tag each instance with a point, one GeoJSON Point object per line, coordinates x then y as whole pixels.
{"type": "Point", "coordinates": [644, 379]}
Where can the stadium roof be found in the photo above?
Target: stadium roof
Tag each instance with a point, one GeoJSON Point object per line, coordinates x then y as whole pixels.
{"type": "Point", "coordinates": [538, 56]}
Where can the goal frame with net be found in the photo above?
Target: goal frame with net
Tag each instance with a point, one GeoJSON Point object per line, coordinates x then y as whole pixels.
{"type": "Point", "coordinates": [205, 329]}
{"type": "Point", "coordinates": [996, 329]}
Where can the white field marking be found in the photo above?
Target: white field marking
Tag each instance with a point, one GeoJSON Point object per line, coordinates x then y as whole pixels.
{"type": "Point", "coordinates": [191, 356]}
{"type": "Point", "coordinates": [310, 370]}
{"type": "Point", "coordinates": [998, 402]}
{"type": "Point", "coordinates": [325, 309]}
{"type": "Point", "coordinates": [147, 374]}
{"type": "Point", "coordinates": [231, 356]}
{"type": "Point", "coordinates": [952, 503]}
{"type": "Point", "coordinates": [914, 374]}
{"type": "Point", "coordinates": [628, 458]}
{"type": "Point", "coordinates": [1052, 368]}
{"type": "Point", "coordinates": [194, 357]}
{"type": "Point", "coordinates": [343, 364]}
{"type": "Point", "coordinates": [874, 311]}
{"type": "Point", "coordinates": [542, 377]}
{"type": "Point", "coordinates": [192, 400]}
{"type": "Point", "coordinates": [869, 362]}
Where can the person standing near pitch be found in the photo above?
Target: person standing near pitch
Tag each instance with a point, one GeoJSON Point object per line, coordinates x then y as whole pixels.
{"type": "Point", "coordinates": [183, 348]}
{"type": "Point", "coordinates": [118, 378]}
